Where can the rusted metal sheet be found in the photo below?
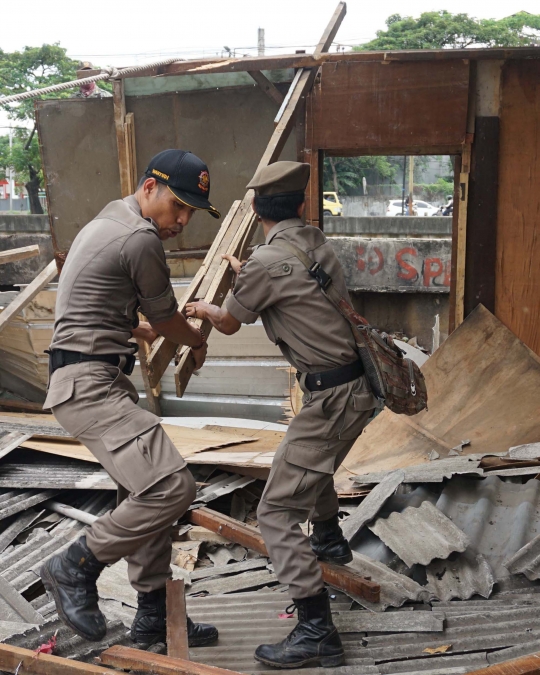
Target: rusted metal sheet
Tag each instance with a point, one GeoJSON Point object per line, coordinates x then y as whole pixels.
{"type": "Point", "coordinates": [228, 128]}
{"type": "Point", "coordinates": [403, 265]}
{"type": "Point", "coordinates": [526, 665]}
{"type": "Point", "coordinates": [517, 296]}
{"type": "Point", "coordinates": [375, 107]}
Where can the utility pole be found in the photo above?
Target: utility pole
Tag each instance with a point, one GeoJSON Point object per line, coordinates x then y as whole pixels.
{"type": "Point", "coordinates": [411, 183]}
{"type": "Point", "coordinates": [260, 42]}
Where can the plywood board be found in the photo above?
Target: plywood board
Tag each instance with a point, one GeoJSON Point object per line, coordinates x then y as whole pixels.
{"type": "Point", "coordinates": [483, 385]}
{"type": "Point", "coordinates": [383, 106]}
{"type": "Point", "coordinates": [187, 440]}
{"type": "Point", "coordinates": [517, 289]}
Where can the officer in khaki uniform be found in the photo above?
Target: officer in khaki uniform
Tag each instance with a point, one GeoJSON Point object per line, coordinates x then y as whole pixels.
{"type": "Point", "coordinates": [337, 404]}
{"type": "Point", "coordinates": [115, 266]}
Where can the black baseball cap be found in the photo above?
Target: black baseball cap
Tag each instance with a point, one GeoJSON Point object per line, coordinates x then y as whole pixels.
{"type": "Point", "coordinates": [186, 176]}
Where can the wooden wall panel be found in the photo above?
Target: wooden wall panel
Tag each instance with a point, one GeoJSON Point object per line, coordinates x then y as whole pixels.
{"type": "Point", "coordinates": [376, 107]}
{"type": "Point", "coordinates": [517, 301]}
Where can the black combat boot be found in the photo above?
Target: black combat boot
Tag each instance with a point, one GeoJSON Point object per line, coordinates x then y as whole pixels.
{"type": "Point", "coordinates": [150, 623]}
{"type": "Point", "coordinates": [328, 542]}
{"type": "Point", "coordinates": [71, 580]}
{"type": "Point", "coordinates": [313, 641]}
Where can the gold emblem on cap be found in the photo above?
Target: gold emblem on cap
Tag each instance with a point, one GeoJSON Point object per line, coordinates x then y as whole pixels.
{"type": "Point", "coordinates": [204, 181]}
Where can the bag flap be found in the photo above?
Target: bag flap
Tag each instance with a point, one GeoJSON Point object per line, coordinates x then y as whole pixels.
{"type": "Point", "coordinates": [59, 392]}
{"type": "Point", "coordinates": [310, 457]}
{"type": "Point", "coordinates": [129, 428]}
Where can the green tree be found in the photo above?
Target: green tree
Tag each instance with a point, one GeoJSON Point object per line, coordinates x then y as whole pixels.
{"type": "Point", "coordinates": [442, 29]}
{"type": "Point", "coordinates": [344, 174]}
{"type": "Point", "coordinates": [31, 68]}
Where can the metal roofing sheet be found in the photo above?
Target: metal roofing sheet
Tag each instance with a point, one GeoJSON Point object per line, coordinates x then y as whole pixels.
{"type": "Point", "coordinates": [526, 561]}
{"type": "Point", "coordinates": [65, 474]}
{"type": "Point", "coordinates": [461, 577]}
{"type": "Point", "coordinates": [418, 535]}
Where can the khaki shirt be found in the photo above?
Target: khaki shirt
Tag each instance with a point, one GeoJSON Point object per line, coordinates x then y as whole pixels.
{"type": "Point", "coordinates": [115, 266]}
{"type": "Point", "coordinates": [97, 93]}
{"type": "Point", "coordinates": [274, 284]}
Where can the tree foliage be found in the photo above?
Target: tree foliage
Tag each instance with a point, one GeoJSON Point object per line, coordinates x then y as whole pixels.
{"type": "Point", "coordinates": [444, 30]}
{"type": "Point", "coordinates": [344, 174]}
{"type": "Point", "coordinates": [31, 68]}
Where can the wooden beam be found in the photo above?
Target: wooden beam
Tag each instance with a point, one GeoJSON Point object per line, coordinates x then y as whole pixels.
{"type": "Point", "coordinates": [27, 662]}
{"type": "Point", "coordinates": [25, 297]}
{"type": "Point", "coordinates": [24, 406]}
{"type": "Point", "coordinates": [127, 658]}
{"type": "Point", "coordinates": [268, 87]}
{"type": "Point", "coordinates": [285, 61]}
{"type": "Point", "coordinates": [214, 289]}
{"type": "Point", "coordinates": [19, 254]}
{"type": "Point", "coordinates": [461, 242]}
{"type": "Point", "coordinates": [119, 102]}
{"type": "Point", "coordinates": [524, 665]}
{"type": "Point", "coordinates": [343, 578]}
{"type": "Point", "coordinates": [177, 636]}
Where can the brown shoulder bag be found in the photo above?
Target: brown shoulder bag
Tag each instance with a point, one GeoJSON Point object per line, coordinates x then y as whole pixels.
{"type": "Point", "coordinates": [397, 382]}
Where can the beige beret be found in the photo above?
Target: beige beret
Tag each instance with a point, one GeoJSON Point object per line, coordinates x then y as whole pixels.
{"type": "Point", "coordinates": [280, 178]}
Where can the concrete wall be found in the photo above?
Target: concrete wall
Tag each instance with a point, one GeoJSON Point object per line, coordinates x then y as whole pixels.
{"type": "Point", "coordinates": [377, 226]}
{"type": "Point", "coordinates": [17, 231]}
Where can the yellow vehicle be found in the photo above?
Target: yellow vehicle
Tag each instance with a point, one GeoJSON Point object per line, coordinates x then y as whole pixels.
{"type": "Point", "coordinates": [331, 204]}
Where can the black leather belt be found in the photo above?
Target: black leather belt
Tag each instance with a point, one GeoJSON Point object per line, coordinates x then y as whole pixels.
{"type": "Point", "coordinates": [58, 358]}
{"type": "Point", "coordinates": [334, 377]}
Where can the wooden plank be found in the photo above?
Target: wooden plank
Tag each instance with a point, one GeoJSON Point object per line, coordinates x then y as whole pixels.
{"type": "Point", "coordinates": [25, 297]}
{"type": "Point", "coordinates": [127, 658]}
{"type": "Point", "coordinates": [517, 296]}
{"type": "Point", "coordinates": [525, 665]}
{"type": "Point", "coordinates": [119, 103]}
{"type": "Point", "coordinates": [19, 254]}
{"type": "Point", "coordinates": [215, 289]}
{"type": "Point", "coordinates": [372, 108]}
{"type": "Point", "coordinates": [11, 441]}
{"type": "Point", "coordinates": [340, 577]}
{"type": "Point", "coordinates": [163, 350]}
{"type": "Point", "coordinates": [481, 250]}
{"type": "Point", "coordinates": [131, 151]}
{"type": "Point", "coordinates": [268, 87]}
{"type": "Point", "coordinates": [26, 662]}
{"type": "Point", "coordinates": [461, 243]}
{"type": "Point", "coordinates": [152, 393]}
{"type": "Point", "coordinates": [177, 636]}
{"type": "Point", "coordinates": [25, 406]}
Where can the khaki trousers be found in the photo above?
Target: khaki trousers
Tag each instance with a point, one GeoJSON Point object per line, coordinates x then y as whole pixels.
{"type": "Point", "coordinates": [301, 484]}
{"type": "Point", "coordinates": [96, 403]}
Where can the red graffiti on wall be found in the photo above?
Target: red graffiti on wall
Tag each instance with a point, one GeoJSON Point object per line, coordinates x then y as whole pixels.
{"type": "Point", "coordinates": [375, 261]}
{"type": "Point", "coordinates": [433, 270]}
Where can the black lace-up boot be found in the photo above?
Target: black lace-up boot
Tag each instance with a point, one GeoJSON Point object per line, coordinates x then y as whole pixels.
{"type": "Point", "coordinates": [313, 641]}
{"type": "Point", "coordinates": [150, 623]}
{"type": "Point", "coordinates": [328, 542]}
{"type": "Point", "coordinates": [71, 580]}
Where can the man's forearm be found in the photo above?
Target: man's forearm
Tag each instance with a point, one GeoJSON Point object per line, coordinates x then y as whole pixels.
{"type": "Point", "coordinates": [179, 330]}
{"type": "Point", "coordinates": [216, 316]}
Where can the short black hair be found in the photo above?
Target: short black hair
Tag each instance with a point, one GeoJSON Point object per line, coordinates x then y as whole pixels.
{"type": "Point", "coordinates": [144, 177]}
{"type": "Point", "coordinates": [276, 208]}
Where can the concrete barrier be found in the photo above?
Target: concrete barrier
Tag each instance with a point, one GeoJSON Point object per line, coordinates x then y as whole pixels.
{"type": "Point", "coordinates": [380, 226]}
{"type": "Point", "coordinates": [23, 223]}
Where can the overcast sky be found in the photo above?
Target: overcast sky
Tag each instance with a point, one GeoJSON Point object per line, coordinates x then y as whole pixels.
{"type": "Point", "coordinates": [122, 32]}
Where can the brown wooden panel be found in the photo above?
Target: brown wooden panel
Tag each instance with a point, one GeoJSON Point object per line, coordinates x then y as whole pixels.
{"type": "Point", "coordinates": [517, 300]}
{"type": "Point", "coordinates": [374, 107]}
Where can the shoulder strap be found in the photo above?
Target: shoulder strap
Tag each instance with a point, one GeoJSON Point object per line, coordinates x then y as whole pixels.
{"type": "Point", "coordinates": [325, 282]}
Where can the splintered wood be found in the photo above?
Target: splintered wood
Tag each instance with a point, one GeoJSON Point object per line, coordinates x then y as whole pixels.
{"type": "Point", "coordinates": [213, 280]}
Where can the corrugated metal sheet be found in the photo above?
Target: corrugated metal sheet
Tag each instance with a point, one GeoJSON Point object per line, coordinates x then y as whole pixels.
{"type": "Point", "coordinates": [53, 473]}
{"type": "Point", "coordinates": [462, 577]}
{"type": "Point", "coordinates": [419, 535]}
{"type": "Point", "coordinates": [526, 561]}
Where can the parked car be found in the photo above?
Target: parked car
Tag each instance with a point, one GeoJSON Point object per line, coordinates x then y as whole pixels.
{"type": "Point", "coordinates": [331, 204]}
{"type": "Point", "coordinates": [395, 208]}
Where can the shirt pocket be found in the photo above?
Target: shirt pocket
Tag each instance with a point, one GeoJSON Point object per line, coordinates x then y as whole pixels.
{"type": "Point", "coordinates": [280, 269]}
{"type": "Point", "coordinates": [59, 392]}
